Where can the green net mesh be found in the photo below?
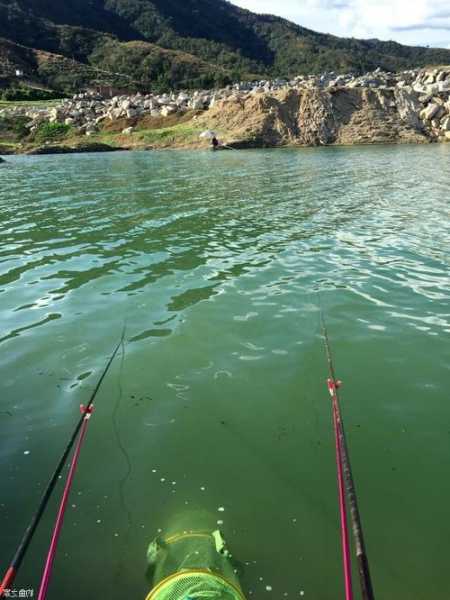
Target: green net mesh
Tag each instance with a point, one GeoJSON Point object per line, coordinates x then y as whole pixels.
{"type": "Point", "coordinates": [192, 586]}
{"type": "Point", "coordinates": [192, 565]}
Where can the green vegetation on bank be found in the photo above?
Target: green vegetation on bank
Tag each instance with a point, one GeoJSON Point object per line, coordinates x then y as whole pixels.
{"type": "Point", "coordinates": [22, 93]}
{"type": "Point", "coordinates": [177, 131]}
{"type": "Point", "coordinates": [161, 45]}
{"type": "Point", "coordinates": [50, 132]}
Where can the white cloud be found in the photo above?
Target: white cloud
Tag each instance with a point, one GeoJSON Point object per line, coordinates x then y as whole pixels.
{"type": "Point", "coordinates": [408, 21]}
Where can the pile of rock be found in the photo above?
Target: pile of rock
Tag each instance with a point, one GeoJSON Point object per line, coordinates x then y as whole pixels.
{"type": "Point", "coordinates": [376, 79]}
{"type": "Point", "coordinates": [421, 96]}
{"type": "Point", "coordinates": [87, 111]}
{"type": "Point", "coordinates": [433, 93]}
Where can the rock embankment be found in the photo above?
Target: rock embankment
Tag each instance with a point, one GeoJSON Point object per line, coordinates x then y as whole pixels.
{"type": "Point", "coordinates": [412, 106]}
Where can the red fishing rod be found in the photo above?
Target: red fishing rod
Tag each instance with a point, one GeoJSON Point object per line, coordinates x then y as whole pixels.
{"type": "Point", "coordinates": [17, 560]}
{"type": "Point", "coordinates": [345, 476]}
{"type": "Point", "coordinates": [63, 505]}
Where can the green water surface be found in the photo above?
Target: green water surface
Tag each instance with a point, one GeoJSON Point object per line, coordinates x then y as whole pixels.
{"type": "Point", "coordinates": [216, 263]}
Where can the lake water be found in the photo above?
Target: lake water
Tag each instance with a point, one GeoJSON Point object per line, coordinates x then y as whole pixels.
{"type": "Point", "coordinates": [216, 264]}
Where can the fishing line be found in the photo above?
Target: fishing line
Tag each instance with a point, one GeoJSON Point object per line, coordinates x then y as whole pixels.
{"type": "Point", "coordinates": [310, 374]}
{"type": "Point", "coordinates": [120, 444]}
{"type": "Point", "coordinates": [121, 564]}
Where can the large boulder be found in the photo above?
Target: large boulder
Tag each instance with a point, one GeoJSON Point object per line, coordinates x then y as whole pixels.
{"type": "Point", "coordinates": [170, 109]}
{"type": "Point", "coordinates": [432, 89]}
{"type": "Point", "coordinates": [432, 111]}
{"type": "Point", "coordinates": [55, 115]}
{"type": "Point", "coordinates": [408, 106]}
{"type": "Point", "coordinates": [114, 114]}
{"type": "Point", "coordinates": [126, 105]}
{"type": "Point", "coordinates": [197, 103]}
{"type": "Point", "coordinates": [445, 123]}
{"type": "Point", "coordinates": [182, 99]}
{"type": "Point", "coordinates": [444, 86]}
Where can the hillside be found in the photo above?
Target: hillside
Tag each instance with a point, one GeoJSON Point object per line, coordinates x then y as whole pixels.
{"type": "Point", "coordinates": [180, 43]}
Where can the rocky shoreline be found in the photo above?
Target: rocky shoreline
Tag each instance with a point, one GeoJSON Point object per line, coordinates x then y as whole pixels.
{"type": "Point", "coordinates": [379, 107]}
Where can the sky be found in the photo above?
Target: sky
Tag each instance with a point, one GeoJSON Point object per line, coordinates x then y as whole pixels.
{"type": "Point", "coordinates": [414, 22]}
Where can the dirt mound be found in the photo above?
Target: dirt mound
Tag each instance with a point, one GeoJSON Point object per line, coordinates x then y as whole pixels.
{"type": "Point", "coordinates": [312, 117]}
{"type": "Point", "coordinates": [147, 122]}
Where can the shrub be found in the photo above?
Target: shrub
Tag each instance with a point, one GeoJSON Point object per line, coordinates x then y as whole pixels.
{"type": "Point", "coordinates": [47, 132]}
{"type": "Point", "coordinates": [22, 93]}
{"type": "Point", "coordinates": [14, 128]}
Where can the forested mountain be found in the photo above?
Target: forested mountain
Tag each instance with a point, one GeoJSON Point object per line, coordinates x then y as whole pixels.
{"type": "Point", "coordinates": [176, 43]}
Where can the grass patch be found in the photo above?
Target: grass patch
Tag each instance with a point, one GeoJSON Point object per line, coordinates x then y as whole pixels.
{"type": "Point", "coordinates": [7, 147]}
{"type": "Point", "coordinates": [182, 133]}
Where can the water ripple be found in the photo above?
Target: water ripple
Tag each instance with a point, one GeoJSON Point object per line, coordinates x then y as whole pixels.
{"type": "Point", "coordinates": [285, 219]}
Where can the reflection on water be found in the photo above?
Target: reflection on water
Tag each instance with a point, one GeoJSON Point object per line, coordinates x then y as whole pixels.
{"type": "Point", "coordinates": [213, 263]}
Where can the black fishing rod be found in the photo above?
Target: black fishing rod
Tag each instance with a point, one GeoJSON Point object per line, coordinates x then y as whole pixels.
{"type": "Point", "coordinates": [361, 554]}
{"type": "Point", "coordinates": [17, 560]}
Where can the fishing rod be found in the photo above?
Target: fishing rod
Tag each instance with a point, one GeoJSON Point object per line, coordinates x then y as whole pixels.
{"type": "Point", "coordinates": [346, 554]}
{"type": "Point", "coordinates": [17, 560]}
{"type": "Point", "coordinates": [63, 505]}
{"type": "Point", "coordinates": [344, 468]}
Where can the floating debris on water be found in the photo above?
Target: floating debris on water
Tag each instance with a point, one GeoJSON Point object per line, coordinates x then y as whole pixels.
{"type": "Point", "coordinates": [27, 452]}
